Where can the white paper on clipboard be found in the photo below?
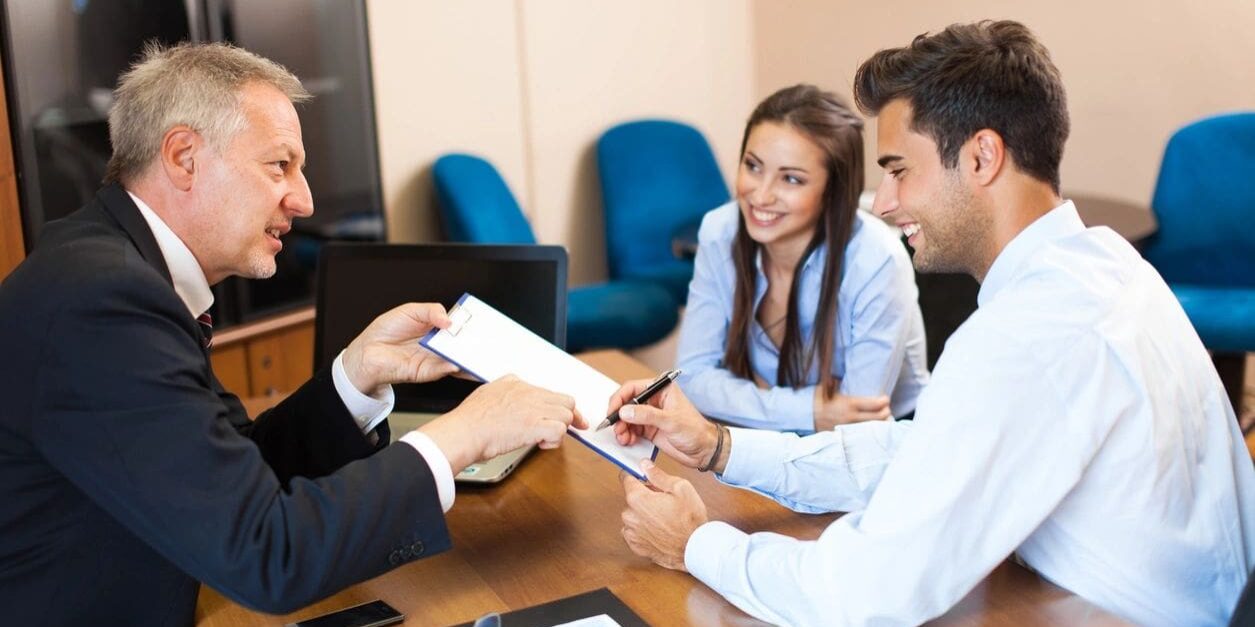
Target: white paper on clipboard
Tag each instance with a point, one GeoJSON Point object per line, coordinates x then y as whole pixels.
{"type": "Point", "coordinates": [488, 345]}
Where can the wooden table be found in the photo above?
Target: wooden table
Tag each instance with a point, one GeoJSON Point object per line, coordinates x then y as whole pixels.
{"type": "Point", "coordinates": [551, 530]}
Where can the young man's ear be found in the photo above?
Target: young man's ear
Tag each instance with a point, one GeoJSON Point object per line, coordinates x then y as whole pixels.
{"type": "Point", "coordinates": [179, 148]}
{"type": "Point", "coordinates": [987, 154]}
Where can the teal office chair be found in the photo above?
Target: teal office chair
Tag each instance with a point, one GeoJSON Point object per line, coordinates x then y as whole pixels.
{"type": "Point", "coordinates": [1204, 248]}
{"type": "Point", "coordinates": [477, 206]}
{"type": "Point", "coordinates": [658, 178]}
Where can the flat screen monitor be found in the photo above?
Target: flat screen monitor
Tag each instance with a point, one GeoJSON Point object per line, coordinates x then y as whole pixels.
{"type": "Point", "coordinates": [357, 282]}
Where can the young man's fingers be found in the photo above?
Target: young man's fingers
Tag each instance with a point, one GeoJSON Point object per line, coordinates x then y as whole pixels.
{"type": "Point", "coordinates": [626, 392]}
{"type": "Point", "coordinates": [645, 415]}
{"type": "Point", "coordinates": [632, 487]}
{"type": "Point", "coordinates": [625, 433]}
{"type": "Point", "coordinates": [659, 478]}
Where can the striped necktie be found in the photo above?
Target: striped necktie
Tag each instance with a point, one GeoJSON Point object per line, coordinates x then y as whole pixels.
{"type": "Point", "coordinates": [206, 329]}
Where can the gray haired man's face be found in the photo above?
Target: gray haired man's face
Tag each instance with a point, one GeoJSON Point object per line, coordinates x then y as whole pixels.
{"type": "Point", "coordinates": [248, 194]}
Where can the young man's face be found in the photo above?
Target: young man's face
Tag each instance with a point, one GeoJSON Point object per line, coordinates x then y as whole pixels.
{"type": "Point", "coordinates": [251, 192]}
{"type": "Point", "coordinates": [930, 203]}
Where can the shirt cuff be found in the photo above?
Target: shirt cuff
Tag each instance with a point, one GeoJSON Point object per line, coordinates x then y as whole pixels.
{"type": "Point", "coordinates": [705, 550]}
{"type": "Point", "coordinates": [752, 451]}
{"type": "Point", "coordinates": [367, 411]}
{"type": "Point", "coordinates": [439, 464]}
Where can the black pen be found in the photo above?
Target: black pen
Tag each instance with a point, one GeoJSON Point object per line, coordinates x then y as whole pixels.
{"type": "Point", "coordinates": [659, 383]}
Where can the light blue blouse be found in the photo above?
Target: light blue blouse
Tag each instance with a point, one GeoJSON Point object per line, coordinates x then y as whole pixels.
{"type": "Point", "coordinates": [878, 348]}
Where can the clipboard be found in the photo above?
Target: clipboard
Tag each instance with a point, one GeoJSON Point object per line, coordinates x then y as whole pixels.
{"type": "Point", "coordinates": [599, 602]}
{"type": "Point", "coordinates": [488, 345]}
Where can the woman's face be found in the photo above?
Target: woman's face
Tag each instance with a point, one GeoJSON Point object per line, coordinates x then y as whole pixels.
{"type": "Point", "coordinates": [780, 186]}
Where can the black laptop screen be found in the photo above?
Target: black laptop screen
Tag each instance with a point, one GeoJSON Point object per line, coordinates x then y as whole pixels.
{"type": "Point", "coordinates": [357, 282]}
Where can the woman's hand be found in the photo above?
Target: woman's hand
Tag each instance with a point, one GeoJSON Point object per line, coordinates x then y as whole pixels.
{"type": "Point", "coordinates": [842, 409]}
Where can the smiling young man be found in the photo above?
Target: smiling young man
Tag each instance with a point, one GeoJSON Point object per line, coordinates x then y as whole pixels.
{"type": "Point", "coordinates": [1074, 421]}
{"type": "Point", "coordinates": [128, 474]}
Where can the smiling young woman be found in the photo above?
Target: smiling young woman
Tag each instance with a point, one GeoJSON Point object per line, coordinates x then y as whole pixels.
{"type": "Point", "coordinates": [802, 313]}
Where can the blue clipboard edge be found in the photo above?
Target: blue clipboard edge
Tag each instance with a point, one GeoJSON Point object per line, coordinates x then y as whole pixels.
{"type": "Point", "coordinates": [425, 341]}
{"type": "Point", "coordinates": [635, 472]}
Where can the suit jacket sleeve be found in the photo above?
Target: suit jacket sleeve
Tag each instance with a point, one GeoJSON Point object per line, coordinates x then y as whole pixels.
{"type": "Point", "coordinates": [308, 434]}
{"type": "Point", "coordinates": [129, 412]}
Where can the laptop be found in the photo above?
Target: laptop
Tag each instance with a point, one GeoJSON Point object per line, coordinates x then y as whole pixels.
{"type": "Point", "coordinates": [357, 282]}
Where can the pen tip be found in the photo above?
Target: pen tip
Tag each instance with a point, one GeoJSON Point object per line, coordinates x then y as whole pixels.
{"type": "Point", "coordinates": [605, 423]}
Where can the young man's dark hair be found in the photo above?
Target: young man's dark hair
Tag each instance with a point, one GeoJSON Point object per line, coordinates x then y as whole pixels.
{"type": "Point", "coordinates": [993, 75]}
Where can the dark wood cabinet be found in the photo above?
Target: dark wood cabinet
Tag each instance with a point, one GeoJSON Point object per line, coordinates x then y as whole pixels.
{"type": "Point", "coordinates": [270, 357]}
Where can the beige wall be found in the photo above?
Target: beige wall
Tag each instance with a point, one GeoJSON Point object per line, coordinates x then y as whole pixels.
{"type": "Point", "coordinates": [446, 78]}
{"type": "Point", "coordinates": [590, 65]}
{"type": "Point", "coordinates": [1135, 70]}
{"type": "Point", "coordinates": [530, 85]}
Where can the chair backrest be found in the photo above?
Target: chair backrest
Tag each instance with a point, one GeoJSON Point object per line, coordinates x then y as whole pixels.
{"type": "Point", "coordinates": [475, 203]}
{"type": "Point", "coordinates": [1204, 201]}
{"type": "Point", "coordinates": [657, 176]}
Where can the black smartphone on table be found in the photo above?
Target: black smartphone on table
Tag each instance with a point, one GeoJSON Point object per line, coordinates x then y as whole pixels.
{"type": "Point", "coordinates": [373, 614]}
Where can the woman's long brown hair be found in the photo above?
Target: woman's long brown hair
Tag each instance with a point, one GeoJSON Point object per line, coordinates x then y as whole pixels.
{"type": "Point", "coordinates": [826, 120]}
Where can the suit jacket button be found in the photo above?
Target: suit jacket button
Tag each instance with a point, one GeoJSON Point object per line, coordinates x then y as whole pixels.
{"type": "Point", "coordinates": [394, 558]}
{"type": "Point", "coordinates": [416, 548]}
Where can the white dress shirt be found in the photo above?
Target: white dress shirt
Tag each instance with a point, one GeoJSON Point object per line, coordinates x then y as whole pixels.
{"type": "Point", "coordinates": [193, 288]}
{"type": "Point", "coordinates": [878, 340]}
{"type": "Point", "coordinates": [1075, 419]}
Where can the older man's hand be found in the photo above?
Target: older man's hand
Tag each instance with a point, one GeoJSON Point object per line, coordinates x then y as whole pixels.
{"type": "Point", "coordinates": [387, 351]}
{"type": "Point", "coordinates": [501, 416]}
{"type": "Point", "coordinates": [660, 516]}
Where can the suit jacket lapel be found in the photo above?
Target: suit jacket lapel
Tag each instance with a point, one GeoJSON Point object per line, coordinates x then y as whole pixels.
{"type": "Point", "coordinates": [118, 204]}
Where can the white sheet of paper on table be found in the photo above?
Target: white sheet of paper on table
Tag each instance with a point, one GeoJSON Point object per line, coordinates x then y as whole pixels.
{"type": "Point", "coordinates": [601, 620]}
{"type": "Point", "coordinates": [489, 345]}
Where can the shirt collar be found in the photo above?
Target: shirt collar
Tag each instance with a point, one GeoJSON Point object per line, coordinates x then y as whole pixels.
{"type": "Point", "coordinates": [1058, 222]}
{"type": "Point", "coordinates": [189, 280]}
{"type": "Point", "coordinates": [817, 256]}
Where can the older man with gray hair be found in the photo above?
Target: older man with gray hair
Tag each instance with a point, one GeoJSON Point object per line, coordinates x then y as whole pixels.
{"type": "Point", "coordinates": [129, 473]}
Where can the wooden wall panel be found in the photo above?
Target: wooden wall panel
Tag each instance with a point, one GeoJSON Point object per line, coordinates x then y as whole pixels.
{"type": "Point", "coordinates": [12, 249]}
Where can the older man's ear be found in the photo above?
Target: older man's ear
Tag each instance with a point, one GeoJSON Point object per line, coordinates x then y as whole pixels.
{"type": "Point", "coordinates": [178, 156]}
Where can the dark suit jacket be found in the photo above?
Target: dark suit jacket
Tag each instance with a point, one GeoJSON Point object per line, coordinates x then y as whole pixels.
{"type": "Point", "coordinates": [127, 473]}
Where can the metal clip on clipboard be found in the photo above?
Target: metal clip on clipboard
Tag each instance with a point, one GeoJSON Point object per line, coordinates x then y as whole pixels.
{"type": "Point", "coordinates": [460, 316]}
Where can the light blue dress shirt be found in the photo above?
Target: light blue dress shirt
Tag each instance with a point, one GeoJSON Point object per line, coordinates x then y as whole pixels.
{"type": "Point", "coordinates": [1075, 419]}
{"type": "Point", "coordinates": [878, 347]}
